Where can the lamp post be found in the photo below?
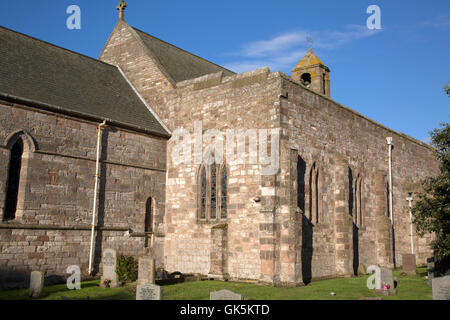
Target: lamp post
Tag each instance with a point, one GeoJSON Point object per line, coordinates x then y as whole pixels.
{"type": "Point", "coordinates": [410, 200]}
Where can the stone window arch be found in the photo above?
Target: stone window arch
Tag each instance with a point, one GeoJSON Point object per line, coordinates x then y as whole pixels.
{"type": "Point", "coordinates": [212, 192]}
{"type": "Point", "coordinates": [358, 198]}
{"type": "Point", "coordinates": [149, 219]}
{"type": "Point", "coordinates": [314, 194]}
{"type": "Point", "coordinates": [21, 146]}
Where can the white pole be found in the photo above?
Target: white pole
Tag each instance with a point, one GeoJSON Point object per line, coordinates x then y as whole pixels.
{"type": "Point", "coordinates": [410, 199]}
{"type": "Point", "coordinates": [94, 209]}
{"type": "Point", "coordinates": [389, 142]}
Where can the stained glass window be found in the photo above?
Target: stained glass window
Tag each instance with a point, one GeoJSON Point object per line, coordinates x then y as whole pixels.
{"type": "Point", "coordinates": [213, 191]}
{"type": "Point", "coordinates": [203, 193]}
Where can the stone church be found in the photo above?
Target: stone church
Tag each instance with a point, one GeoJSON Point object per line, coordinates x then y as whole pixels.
{"type": "Point", "coordinates": [82, 138]}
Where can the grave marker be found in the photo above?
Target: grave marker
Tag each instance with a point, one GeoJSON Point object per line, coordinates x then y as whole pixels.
{"type": "Point", "coordinates": [36, 284]}
{"type": "Point", "coordinates": [224, 295]}
{"type": "Point", "coordinates": [148, 292]}
{"type": "Point", "coordinates": [109, 260]}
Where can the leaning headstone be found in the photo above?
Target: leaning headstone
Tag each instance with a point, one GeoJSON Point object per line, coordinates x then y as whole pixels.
{"type": "Point", "coordinates": [36, 284]}
{"type": "Point", "coordinates": [224, 295]}
{"type": "Point", "coordinates": [441, 288]}
{"type": "Point", "coordinates": [109, 277]}
{"type": "Point", "coordinates": [148, 292]}
{"type": "Point", "coordinates": [430, 269]}
{"type": "Point", "coordinates": [146, 270]}
{"type": "Point", "coordinates": [409, 263]}
{"type": "Point", "coordinates": [361, 270]}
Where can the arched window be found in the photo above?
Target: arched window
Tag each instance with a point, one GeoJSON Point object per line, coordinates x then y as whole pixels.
{"type": "Point", "coordinates": [149, 215]}
{"type": "Point", "coordinates": [12, 190]}
{"type": "Point", "coordinates": [301, 170]}
{"type": "Point", "coordinates": [314, 194]}
{"type": "Point", "coordinates": [223, 192]}
{"type": "Point", "coordinates": [148, 219]}
{"type": "Point", "coordinates": [351, 203]}
{"type": "Point", "coordinates": [359, 202]}
{"type": "Point", "coordinates": [202, 178]}
{"type": "Point", "coordinates": [213, 192]}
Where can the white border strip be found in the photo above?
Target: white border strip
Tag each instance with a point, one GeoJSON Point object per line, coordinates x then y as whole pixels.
{"type": "Point", "coordinates": [143, 101]}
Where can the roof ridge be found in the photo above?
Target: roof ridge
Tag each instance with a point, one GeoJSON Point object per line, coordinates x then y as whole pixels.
{"type": "Point", "coordinates": [56, 46]}
{"type": "Point", "coordinates": [174, 46]}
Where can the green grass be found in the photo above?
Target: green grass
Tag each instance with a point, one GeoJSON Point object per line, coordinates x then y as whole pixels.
{"type": "Point", "coordinates": [409, 288]}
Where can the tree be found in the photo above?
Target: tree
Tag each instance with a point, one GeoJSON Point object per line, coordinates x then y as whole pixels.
{"type": "Point", "coordinates": [432, 210]}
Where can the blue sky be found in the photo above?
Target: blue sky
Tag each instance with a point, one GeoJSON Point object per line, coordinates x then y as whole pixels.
{"type": "Point", "coordinates": [394, 75]}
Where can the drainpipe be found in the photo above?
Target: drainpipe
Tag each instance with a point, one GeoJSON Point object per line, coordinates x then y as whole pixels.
{"type": "Point", "coordinates": [389, 142]}
{"type": "Point", "coordinates": [94, 209]}
{"type": "Point", "coordinates": [410, 199]}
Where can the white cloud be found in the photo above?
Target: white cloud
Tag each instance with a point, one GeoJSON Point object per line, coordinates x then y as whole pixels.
{"type": "Point", "coordinates": [441, 21]}
{"type": "Point", "coordinates": [282, 52]}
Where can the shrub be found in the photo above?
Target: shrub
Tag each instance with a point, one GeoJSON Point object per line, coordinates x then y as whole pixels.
{"type": "Point", "coordinates": [127, 269]}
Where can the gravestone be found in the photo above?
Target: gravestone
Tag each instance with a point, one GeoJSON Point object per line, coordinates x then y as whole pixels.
{"type": "Point", "coordinates": [36, 284]}
{"type": "Point", "coordinates": [146, 270]}
{"type": "Point", "coordinates": [441, 288]}
{"type": "Point", "coordinates": [409, 263]}
{"type": "Point", "coordinates": [430, 269]}
{"type": "Point", "coordinates": [148, 292]}
{"type": "Point", "coordinates": [109, 260]}
{"type": "Point", "coordinates": [384, 277]}
{"type": "Point", "coordinates": [224, 295]}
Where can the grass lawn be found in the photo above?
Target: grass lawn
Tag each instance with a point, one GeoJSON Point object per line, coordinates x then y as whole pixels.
{"type": "Point", "coordinates": [409, 288]}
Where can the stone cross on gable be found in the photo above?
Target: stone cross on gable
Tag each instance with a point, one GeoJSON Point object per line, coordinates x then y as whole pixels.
{"type": "Point", "coordinates": [121, 7]}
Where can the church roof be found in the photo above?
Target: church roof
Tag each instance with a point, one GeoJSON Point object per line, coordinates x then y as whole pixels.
{"type": "Point", "coordinates": [44, 74]}
{"type": "Point", "coordinates": [179, 64]}
{"type": "Point", "coordinates": [310, 59]}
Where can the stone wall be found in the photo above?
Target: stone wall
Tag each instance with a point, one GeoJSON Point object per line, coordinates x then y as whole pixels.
{"type": "Point", "coordinates": [246, 101]}
{"type": "Point", "coordinates": [52, 226]}
{"type": "Point", "coordinates": [319, 129]}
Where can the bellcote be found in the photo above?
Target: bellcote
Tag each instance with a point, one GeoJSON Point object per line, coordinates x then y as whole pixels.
{"type": "Point", "coordinates": [313, 73]}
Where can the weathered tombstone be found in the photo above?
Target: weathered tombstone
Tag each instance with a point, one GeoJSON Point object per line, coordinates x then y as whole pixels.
{"type": "Point", "coordinates": [361, 270]}
{"type": "Point", "coordinates": [441, 288]}
{"type": "Point", "coordinates": [384, 277]}
{"type": "Point", "coordinates": [36, 284]}
{"type": "Point", "coordinates": [148, 292]}
{"type": "Point", "coordinates": [409, 263]}
{"type": "Point", "coordinates": [146, 270]}
{"type": "Point", "coordinates": [224, 295]}
{"type": "Point", "coordinates": [109, 260]}
{"type": "Point", "coordinates": [430, 269]}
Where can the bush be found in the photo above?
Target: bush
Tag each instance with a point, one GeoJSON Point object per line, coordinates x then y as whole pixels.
{"type": "Point", "coordinates": [127, 269]}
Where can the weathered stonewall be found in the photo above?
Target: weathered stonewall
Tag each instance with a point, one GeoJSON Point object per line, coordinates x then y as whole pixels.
{"type": "Point", "coordinates": [409, 263]}
{"type": "Point", "coordinates": [441, 288]}
{"type": "Point", "coordinates": [224, 295]}
{"type": "Point", "coordinates": [36, 284]}
{"type": "Point", "coordinates": [148, 292]}
{"type": "Point", "coordinates": [109, 260]}
{"type": "Point", "coordinates": [146, 270]}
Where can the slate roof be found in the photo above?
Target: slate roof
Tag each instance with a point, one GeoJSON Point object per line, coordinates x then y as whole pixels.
{"type": "Point", "coordinates": [179, 64]}
{"type": "Point", "coordinates": [45, 74]}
